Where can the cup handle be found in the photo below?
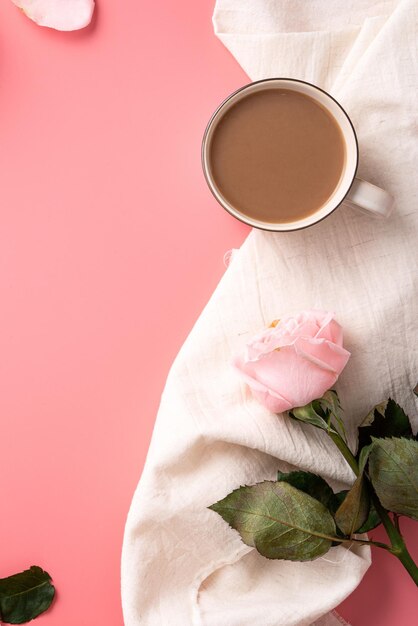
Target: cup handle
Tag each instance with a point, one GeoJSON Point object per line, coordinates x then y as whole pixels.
{"type": "Point", "coordinates": [369, 198]}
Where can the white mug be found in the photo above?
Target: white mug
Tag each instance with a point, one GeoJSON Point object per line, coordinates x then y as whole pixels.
{"type": "Point", "coordinates": [351, 190]}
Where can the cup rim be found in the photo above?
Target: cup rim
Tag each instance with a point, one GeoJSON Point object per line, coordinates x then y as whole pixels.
{"type": "Point", "coordinates": [266, 226]}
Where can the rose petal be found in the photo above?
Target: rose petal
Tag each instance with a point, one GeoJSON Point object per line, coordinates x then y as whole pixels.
{"type": "Point", "coordinates": [293, 376]}
{"type": "Point", "coordinates": [283, 334]}
{"type": "Point", "coordinates": [274, 401]}
{"type": "Point", "coordinates": [288, 376]}
{"type": "Point", "coordinates": [309, 328]}
{"type": "Point", "coordinates": [332, 331]}
{"type": "Point", "coordinates": [271, 402]}
{"type": "Point", "coordinates": [323, 353]}
{"type": "Point", "coordinates": [58, 14]}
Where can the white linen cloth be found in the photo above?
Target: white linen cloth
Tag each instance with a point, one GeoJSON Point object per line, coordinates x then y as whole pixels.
{"type": "Point", "coordinates": [181, 563]}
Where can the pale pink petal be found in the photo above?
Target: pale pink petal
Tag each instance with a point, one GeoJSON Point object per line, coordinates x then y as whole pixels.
{"type": "Point", "coordinates": [315, 315]}
{"type": "Point", "coordinates": [291, 324]}
{"type": "Point", "coordinates": [308, 328]}
{"type": "Point", "coordinates": [296, 378]}
{"type": "Point", "coordinates": [58, 14]}
{"type": "Point", "coordinates": [263, 343]}
{"type": "Point", "coordinates": [332, 331]}
{"type": "Point", "coordinates": [287, 375]}
{"type": "Point", "coordinates": [323, 353]}
{"type": "Point", "coordinates": [273, 400]}
{"type": "Point", "coordinates": [284, 334]}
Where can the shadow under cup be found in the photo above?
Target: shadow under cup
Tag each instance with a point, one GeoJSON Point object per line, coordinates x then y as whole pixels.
{"type": "Point", "coordinates": [340, 121]}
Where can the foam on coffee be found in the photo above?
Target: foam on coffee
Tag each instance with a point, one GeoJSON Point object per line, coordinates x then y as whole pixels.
{"type": "Point", "coordinates": [277, 155]}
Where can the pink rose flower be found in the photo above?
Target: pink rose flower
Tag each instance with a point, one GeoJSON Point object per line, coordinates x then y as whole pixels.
{"type": "Point", "coordinates": [294, 361]}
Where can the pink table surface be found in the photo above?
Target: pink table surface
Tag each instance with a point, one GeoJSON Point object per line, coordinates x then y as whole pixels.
{"type": "Point", "coordinates": [110, 247]}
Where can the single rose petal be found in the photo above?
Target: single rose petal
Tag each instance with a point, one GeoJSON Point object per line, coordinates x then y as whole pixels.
{"type": "Point", "coordinates": [306, 329]}
{"type": "Point", "coordinates": [58, 14]}
{"type": "Point", "coordinates": [332, 331]}
{"type": "Point", "coordinates": [271, 399]}
{"type": "Point", "coordinates": [325, 354]}
{"type": "Point", "coordinates": [271, 402]}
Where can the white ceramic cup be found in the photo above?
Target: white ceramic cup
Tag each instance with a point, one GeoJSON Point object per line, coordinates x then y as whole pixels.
{"type": "Point", "coordinates": [353, 191]}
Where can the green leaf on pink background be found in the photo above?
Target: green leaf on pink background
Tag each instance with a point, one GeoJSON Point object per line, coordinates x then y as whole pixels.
{"type": "Point", "coordinates": [26, 595]}
{"type": "Point", "coordinates": [58, 14]}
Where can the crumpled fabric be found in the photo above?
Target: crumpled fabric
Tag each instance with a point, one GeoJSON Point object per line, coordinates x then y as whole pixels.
{"type": "Point", "coordinates": [181, 564]}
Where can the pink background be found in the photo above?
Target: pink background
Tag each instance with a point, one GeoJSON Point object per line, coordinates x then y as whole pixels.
{"type": "Point", "coordinates": [110, 247]}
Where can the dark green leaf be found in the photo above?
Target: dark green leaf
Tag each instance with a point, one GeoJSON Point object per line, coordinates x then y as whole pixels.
{"type": "Point", "coordinates": [373, 520]}
{"type": "Point", "coordinates": [387, 419]}
{"type": "Point", "coordinates": [393, 470]}
{"type": "Point", "coordinates": [313, 485]}
{"type": "Point", "coordinates": [339, 498]}
{"type": "Point", "coordinates": [26, 595]}
{"type": "Point", "coordinates": [330, 404]}
{"type": "Point", "coordinates": [280, 521]}
{"type": "Point", "coordinates": [334, 505]}
{"type": "Point", "coordinates": [354, 510]}
{"type": "Point", "coordinates": [318, 488]}
{"type": "Point", "coordinates": [363, 458]}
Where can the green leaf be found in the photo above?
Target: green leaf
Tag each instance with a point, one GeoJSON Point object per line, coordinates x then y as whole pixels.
{"type": "Point", "coordinates": [387, 419]}
{"type": "Point", "coordinates": [373, 520]}
{"type": "Point", "coordinates": [363, 458]}
{"type": "Point", "coordinates": [311, 414]}
{"type": "Point", "coordinates": [330, 404]}
{"type": "Point", "coordinates": [339, 498]}
{"type": "Point", "coordinates": [26, 595]}
{"type": "Point", "coordinates": [354, 510]}
{"type": "Point", "coordinates": [318, 488]}
{"type": "Point", "coordinates": [280, 521]}
{"type": "Point", "coordinates": [393, 470]}
{"type": "Point", "coordinates": [321, 413]}
{"type": "Point", "coordinates": [313, 485]}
